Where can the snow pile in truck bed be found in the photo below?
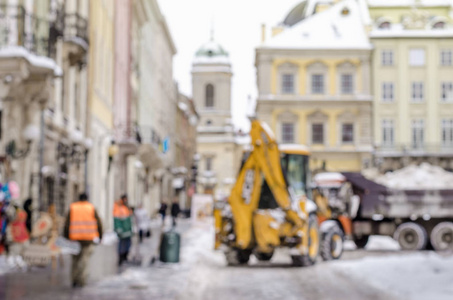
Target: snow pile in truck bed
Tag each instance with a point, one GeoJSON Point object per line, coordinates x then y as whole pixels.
{"type": "Point", "coordinates": [413, 276]}
{"type": "Point", "coordinates": [424, 176]}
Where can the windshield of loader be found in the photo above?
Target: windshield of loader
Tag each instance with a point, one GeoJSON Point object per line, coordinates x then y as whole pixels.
{"type": "Point", "coordinates": [296, 170]}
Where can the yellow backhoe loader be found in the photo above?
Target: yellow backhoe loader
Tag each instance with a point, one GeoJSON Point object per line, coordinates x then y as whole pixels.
{"type": "Point", "coordinates": [269, 205]}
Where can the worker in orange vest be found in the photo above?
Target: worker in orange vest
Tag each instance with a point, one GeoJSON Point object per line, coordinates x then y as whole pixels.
{"type": "Point", "coordinates": [122, 224]}
{"type": "Point", "coordinates": [84, 226]}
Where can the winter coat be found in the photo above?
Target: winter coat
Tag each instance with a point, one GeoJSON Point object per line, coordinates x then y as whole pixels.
{"type": "Point", "coordinates": [122, 220]}
{"type": "Point", "coordinates": [142, 219]}
{"type": "Point", "coordinates": [163, 209]}
{"type": "Point", "coordinates": [175, 210]}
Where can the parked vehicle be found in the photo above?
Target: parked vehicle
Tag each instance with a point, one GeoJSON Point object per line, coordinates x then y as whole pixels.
{"type": "Point", "coordinates": [416, 219]}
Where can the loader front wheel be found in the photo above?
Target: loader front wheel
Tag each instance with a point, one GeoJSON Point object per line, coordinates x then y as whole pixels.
{"type": "Point", "coordinates": [332, 243]}
{"type": "Point", "coordinates": [237, 256]}
{"type": "Point", "coordinates": [313, 245]}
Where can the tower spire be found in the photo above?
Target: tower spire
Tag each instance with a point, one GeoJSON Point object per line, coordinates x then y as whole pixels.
{"type": "Point", "coordinates": [212, 29]}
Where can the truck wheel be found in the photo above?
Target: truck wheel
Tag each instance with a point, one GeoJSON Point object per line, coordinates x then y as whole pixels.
{"type": "Point", "coordinates": [313, 245]}
{"type": "Point", "coordinates": [237, 256]}
{"type": "Point", "coordinates": [264, 256]}
{"type": "Point", "coordinates": [411, 236]}
{"type": "Point", "coordinates": [361, 242]}
{"type": "Point", "coordinates": [442, 236]}
{"type": "Point", "coordinates": [332, 243]}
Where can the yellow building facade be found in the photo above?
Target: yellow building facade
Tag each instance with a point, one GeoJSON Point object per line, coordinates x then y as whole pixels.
{"type": "Point", "coordinates": [315, 88]}
{"type": "Point", "coordinates": [100, 99]}
{"type": "Point", "coordinates": [412, 83]}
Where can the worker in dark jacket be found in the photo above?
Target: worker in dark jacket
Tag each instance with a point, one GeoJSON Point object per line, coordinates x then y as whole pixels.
{"type": "Point", "coordinates": [84, 226]}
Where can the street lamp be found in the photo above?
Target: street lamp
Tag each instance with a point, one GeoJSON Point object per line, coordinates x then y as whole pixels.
{"type": "Point", "coordinates": [113, 150]}
{"type": "Point", "coordinates": [30, 134]}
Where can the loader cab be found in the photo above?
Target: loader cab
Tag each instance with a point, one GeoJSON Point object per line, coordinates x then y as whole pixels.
{"type": "Point", "coordinates": [295, 165]}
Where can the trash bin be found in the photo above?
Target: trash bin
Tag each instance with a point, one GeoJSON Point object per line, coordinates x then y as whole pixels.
{"type": "Point", "coordinates": [169, 247]}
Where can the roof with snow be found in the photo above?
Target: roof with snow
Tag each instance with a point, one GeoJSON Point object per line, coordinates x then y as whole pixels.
{"type": "Point", "coordinates": [340, 27]}
{"type": "Point", "coordinates": [404, 3]}
{"type": "Point", "coordinates": [211, 53]}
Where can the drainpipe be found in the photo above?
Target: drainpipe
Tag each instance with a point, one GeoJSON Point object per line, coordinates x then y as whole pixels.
{"type": "Point", "coordinates": [41, 159]}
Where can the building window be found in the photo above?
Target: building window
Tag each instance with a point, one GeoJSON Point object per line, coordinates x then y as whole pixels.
{"type": "Point", "coordinates": [209, 96]}
{"type": "Point", "coordinates": [447, 132]}
{"type": "Point", "coordinates": [417, 91]}
{"type": "Point", "coordinates": [347, 85]}
{"type": "Point", "coordinates": [387, 92]}
{"type": "Point", "coordinates": [208, 163]}
{"type": "Point", "coordinates": [387, 57]}
{"type": "Point", "coordinates": [447, 91]}
{"type": "Point", "coordinates": [417, 57]}
{"type": "Point", "coordinates": [385, 25]}
{"type": "Point", "coordinates": [287, 133]}
{"type": "Point", "coordinates": [439, 25]}
{"type": "Point", "coordinates": [317, 133]}
{"type": "Point", "coordinates": [387, 132]}
{"type": "Point", "coordinates": [288, 84]}
{"type": "Point", "coordinates": [317, 84]}
{"type": "Point", "coordinates": [347, 133]}
{"type": "Point", "coordinates": [417, 134]}
{"type": "Point", "coordinates": [446, 57]}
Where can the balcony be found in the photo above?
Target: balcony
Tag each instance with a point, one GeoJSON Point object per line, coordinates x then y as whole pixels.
{"type": "Point", "coordinates": [27, 52]}
{"type": "Point", "coordinates": [19, 28]}
{"type": "Point", "coordinates": [420, 150]}
{"type": "Point", "coordinates": [75, 36]}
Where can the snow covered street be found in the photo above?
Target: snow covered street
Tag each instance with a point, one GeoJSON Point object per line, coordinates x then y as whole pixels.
{"type": "Point", "coordinates": [381, 271]}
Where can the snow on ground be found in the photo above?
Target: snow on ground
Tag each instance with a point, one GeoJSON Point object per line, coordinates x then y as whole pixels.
{"type": "Point", "coordinates": [376, 243]}
{"type": "Point", "coordinates": [424, 176]}
{"type": "Point", "coordinates": [422, 275]}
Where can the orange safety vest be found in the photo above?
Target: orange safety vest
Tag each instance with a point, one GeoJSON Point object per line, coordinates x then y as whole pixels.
{"type": "Point", "coordinates": [120, 211]}
{"type": "Point", "coordinates": [82, 224]}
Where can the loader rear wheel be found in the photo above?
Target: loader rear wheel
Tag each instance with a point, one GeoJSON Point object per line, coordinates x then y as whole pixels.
{"type": "Point", "coordinates": [313, 245]}
{"type": "Point", "coordinates": [411, 236]}
{"type": "Point", "coordinates": [361, 242]}
{"type": "Point", "coordinates": [332, 243]}
{"type": "Point", "coordinates": [237, 256]}
{"type": "Point", "coordinates": [264, 256]}
{"type": "Point", "coordinates": [442, 236]}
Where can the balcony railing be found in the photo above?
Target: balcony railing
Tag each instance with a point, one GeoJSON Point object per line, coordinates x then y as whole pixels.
{"type": "Point", "coordinates": [415, 150]}
{"type": "Point", "coordinates": [76, 26]}
{"type": "Point", "coordinates": [21, 28]}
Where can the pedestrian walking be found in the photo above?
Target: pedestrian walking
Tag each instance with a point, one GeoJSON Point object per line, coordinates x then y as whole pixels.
{"type": "Point", "coordinates": [122, 217]}
{"type": "Point", "coordinates": [84, 226]}
{"type": "Point", "coordinates": [163, 211]}
{"type": "Point", "coordinates": [143, 222]}
{"type": "Point", "coordinates": [28, 210]}
{"type": "Point", "coordinates": [175, 210]}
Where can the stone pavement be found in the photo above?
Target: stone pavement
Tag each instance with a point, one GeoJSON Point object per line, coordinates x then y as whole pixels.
{"type": "Point", "coordinates": [43, 283]}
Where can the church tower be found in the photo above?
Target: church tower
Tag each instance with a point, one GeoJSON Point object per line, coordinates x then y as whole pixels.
{"type": "Point", "coordinates": [211, 86]}
{"type": "Point", "coordinates": [211, 82]}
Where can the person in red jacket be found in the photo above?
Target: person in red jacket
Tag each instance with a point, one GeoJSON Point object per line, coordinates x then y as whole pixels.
{"type": "Point", "coordinates": [84, 226]}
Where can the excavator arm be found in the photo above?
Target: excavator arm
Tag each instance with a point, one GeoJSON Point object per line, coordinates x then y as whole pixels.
{"type": "Point", "coordinates": [264, 162]}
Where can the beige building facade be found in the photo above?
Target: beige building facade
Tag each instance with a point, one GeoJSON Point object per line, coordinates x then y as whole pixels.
{"type": "Point", "coordinates": [314, 84]}
{"type": "Point", "coordinates": [413, 83]}
{"type": "Point", "coordinates": [217, 148]}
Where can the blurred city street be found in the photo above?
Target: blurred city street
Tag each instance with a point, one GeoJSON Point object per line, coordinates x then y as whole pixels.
{"type": "Point", "coordinates": [203, 274]}
{"type": "Point", "coordinates": [226, 149]}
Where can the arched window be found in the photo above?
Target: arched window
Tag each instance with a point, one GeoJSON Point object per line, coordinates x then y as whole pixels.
{"type": "Point", "coordinates": [439, 25]}
{"type": "Point", "coordinates": [385, 25]}
{"type": "Point", "coordinates": [209, 95]}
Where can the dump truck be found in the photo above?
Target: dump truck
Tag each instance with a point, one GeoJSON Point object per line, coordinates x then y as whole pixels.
{"type": "Point", "coordinates": [417, 218]}
{"type": "Point", "coordinates": [269, 205]}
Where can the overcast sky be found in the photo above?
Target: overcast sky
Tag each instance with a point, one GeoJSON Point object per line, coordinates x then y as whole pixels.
{"type": "Point", "coordinates": [237, 27]}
